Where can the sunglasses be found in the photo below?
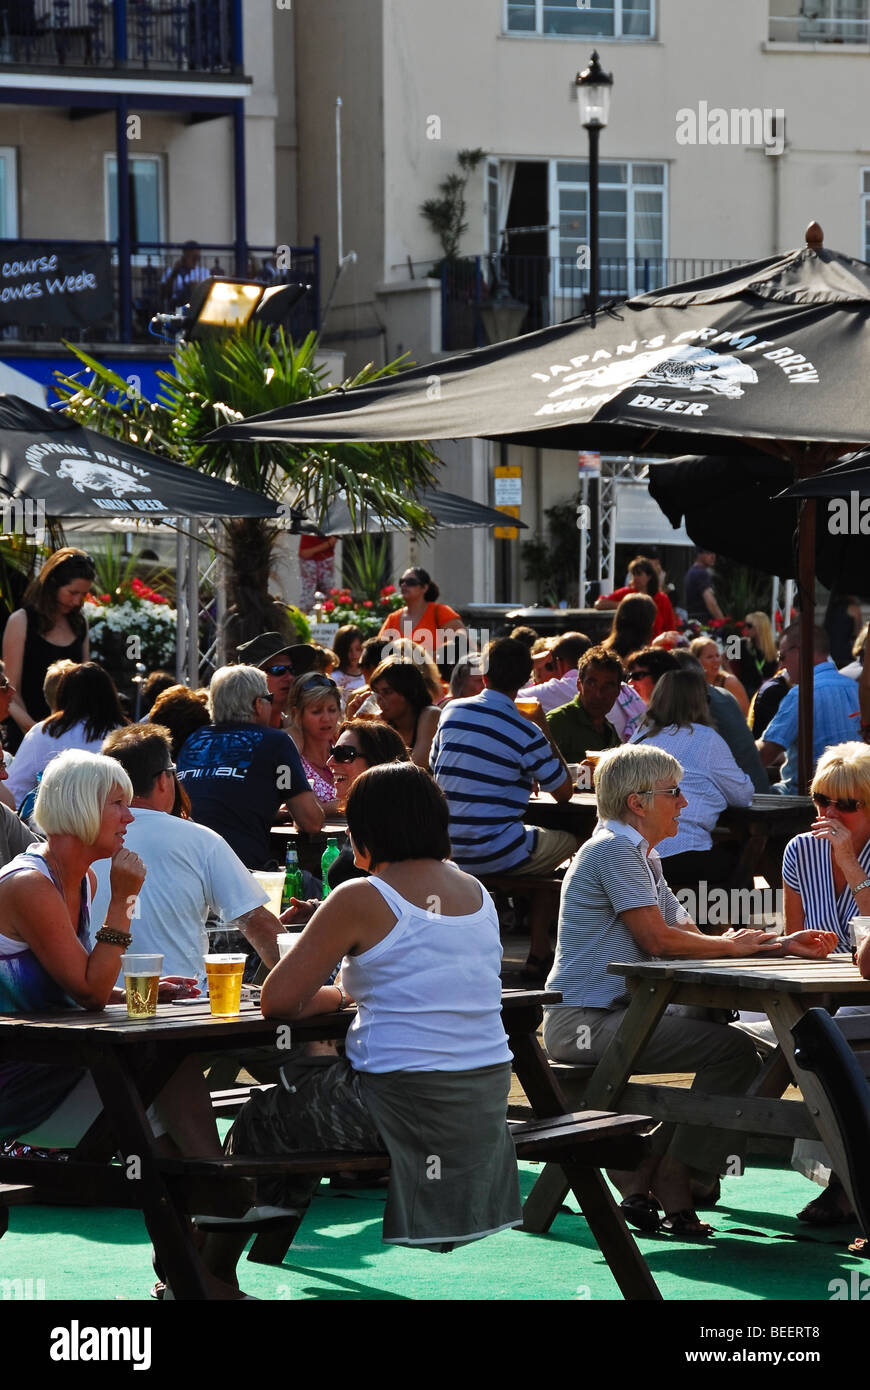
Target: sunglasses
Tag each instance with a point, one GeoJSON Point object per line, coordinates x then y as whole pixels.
{"type": "Point", "coordinates": [171, 768]}
{"type": "Point", "coordinates": [268, 696]}
{"type": "Point", "coordinates": [316, 679]}
{"type": "Point", "coordinates": [664, 791]}
{"type": "Point", "coordinates": [845, 804]}
{"type": "Point", "coordinates": [344, 753]}
{"type": "Point", "coordinates": [282, 670]}
{"type": "Point", "coordinates": [637, 675]}
{"type": "Point", "coordinates": [410, 584]}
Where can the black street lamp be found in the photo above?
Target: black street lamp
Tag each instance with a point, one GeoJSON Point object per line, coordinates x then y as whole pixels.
{"type": "Point", "coordinates": [593, 99]}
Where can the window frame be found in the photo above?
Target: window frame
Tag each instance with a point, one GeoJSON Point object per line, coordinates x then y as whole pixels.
{"type": "Point", "coordinates": [110, 158]}
{"type": "Point", "coordinates": [9, 153]}
{"type": "Point", "coordinates": [864, 210]}
{"type": "Point", "coordinates": [579, 284]}
{"type": "Point", "coordinates": [616, 37]}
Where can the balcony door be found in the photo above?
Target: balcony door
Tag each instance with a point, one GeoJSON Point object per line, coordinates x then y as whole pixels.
{"type": "Point", "coordinates": [146, 201]}
{"type": "Point", "coordinates": [8, 191]}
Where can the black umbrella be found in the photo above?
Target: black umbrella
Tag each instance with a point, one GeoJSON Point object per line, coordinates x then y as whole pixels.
{"type": "Point", "coordinates": [737, 508]}
{"type": "Point", "coordinates": [704, 366]}
{"type": "Point", "coordinates": [70, 471]}
{"type": "Point", "coordinates": [449, 510]}
{"type": "Point", "coordinates": [774, 354]}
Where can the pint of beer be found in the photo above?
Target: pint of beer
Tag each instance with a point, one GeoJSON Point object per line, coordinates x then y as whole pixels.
{"type": "Point", "coordinates": [141, 979]}
{"type": "Point", "coordinates": [224, 974]}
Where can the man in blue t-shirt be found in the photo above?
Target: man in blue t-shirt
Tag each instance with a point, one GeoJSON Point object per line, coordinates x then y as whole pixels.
{"type": "Point", "coordinates": [237, 771]}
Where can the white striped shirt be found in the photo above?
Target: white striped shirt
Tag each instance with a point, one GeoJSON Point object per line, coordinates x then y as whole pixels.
{"type": "Point", "coordinates": [806, 867]}
{"type": "Point", "coordinates": [485, 756]}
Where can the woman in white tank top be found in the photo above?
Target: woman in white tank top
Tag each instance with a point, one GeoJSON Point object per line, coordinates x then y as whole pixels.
{"type": "Point", "coordinates": [427, 1072]}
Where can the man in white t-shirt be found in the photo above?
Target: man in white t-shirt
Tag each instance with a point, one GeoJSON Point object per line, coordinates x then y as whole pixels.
{"type": "Point", "coordinates": [561, 689]}
{"type": "Point", "coordinates": [191, 871]}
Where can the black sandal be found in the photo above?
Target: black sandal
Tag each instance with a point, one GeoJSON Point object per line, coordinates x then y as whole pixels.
{"type": "Point", "coordinates": [686, 1225]}
{"type": "Point", "coordinates": [641, 1212]}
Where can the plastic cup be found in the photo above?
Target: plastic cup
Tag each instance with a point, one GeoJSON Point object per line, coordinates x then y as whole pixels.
{"type": "Point", "coordinates": [526, 707]}
{"type": "Point", "coordinates": [272, 883]}
{"type": "Point", "coordinates": [224, 975]}
{"type": "Point", "coordinates": [141, 981]}
{"type": "Point", "coordinates": [859, 930]}
{"type": "Point", "coordinates": [286, 939]}
{"type": "Point", "coordinates": [573, 772]}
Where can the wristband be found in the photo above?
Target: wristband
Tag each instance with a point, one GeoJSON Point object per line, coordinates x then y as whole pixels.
{"type": "Point", "coordinates": [107, 936]}
{"type": "Point", "coordinates": [342, 996]}
{"type": "Point", "coordinates": [865, 883]}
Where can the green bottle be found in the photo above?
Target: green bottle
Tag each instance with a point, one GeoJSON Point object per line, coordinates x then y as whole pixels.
{"type": "Point", "coordinates": [328, 858]}
{"type": "Point", "coordinates": [292, 877]}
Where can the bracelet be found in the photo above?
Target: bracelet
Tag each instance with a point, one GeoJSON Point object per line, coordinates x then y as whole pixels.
{"type": "Point", "coordinates": [107, 936]}
{"type": "Point", "coordinates": [865, 883]}
{"type": "Point", "coordinates": [343, 996]}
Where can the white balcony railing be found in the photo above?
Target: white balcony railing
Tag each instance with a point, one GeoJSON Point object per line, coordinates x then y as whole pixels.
{"type": "Point", "coordinates": [820, 21]}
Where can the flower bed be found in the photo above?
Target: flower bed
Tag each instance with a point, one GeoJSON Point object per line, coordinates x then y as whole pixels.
{"type": "Point", "coordinates": [366, 614]}
{"type": "Point", "coordinates": [137, 619]}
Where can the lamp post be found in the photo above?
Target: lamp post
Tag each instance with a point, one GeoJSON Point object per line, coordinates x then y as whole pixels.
{"type": "Point", "coordinates": [593, 100]}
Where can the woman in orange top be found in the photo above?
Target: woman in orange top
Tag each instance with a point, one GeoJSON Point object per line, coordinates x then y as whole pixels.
{"type": "Point", "coordinates": [425, 619]}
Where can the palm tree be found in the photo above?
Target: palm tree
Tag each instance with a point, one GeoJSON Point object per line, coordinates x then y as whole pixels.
{"type": "Point", "coordinates": [217, 381]}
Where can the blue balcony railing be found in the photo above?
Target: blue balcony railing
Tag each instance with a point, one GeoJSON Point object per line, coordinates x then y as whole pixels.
{"type": "Point", "coordinates": [552, 288]}
{"type": "Point", "coordinates": [202, 36]}
{"type": "Point", "coordinates": [154, 287]}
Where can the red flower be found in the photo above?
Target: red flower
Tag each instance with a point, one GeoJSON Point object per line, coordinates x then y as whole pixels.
{"type": "Point", "coordinates": [335, 591]}
{"type": "Point", "coordinates": [104, 598]}
{"type": "Point", "coordinates": [328, 606]}
{"type": "Point", "coordinates": [390, 589]}
{"type": "Point", "coordinates": [367, 603]}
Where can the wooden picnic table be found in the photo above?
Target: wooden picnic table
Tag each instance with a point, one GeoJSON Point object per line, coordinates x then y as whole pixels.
{"type": "Point", "coordinates": [131, 1061]}
{"type": "Point", "coordinates": [309, 845]}
{"type": "Point", "coordinates": [782, 989]}
{"type": "Point", "coordinates": [759, 827]}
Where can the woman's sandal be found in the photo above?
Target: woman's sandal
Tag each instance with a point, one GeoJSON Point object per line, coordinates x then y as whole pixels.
{"type": "Point", "coordinates": [641, 1212]}
{"type": "Point", "coordinates": [686, 1225]}
{"type": "Point", "coordinates": [827, 1209]}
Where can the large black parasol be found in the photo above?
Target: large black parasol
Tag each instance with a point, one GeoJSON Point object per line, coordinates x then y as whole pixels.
{"type": "Point", "coordinates": [71, 471]}
{"type": "Point", "coordinates": [774, 355]}
{"type": "Point", "coordinates": [737, 507]}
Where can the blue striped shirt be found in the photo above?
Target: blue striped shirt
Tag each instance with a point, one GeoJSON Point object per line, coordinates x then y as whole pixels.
{"type": "Point", "coordinates": [806, 867]}
{"type": "Point", "coordinates": [835, 719]}
{"type": "Point", "coordinates": [485, 756]}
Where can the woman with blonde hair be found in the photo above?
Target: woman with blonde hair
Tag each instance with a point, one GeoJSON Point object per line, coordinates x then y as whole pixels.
{"type": "Point", "coordinates": [706, 650]}
{"type": "Point", "coordinates": [314, 710]}
{"type": "Point", "coordinates": [758, 655]}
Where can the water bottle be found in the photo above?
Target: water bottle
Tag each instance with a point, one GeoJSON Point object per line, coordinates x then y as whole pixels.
{"type": "Point", "coordinates": [328, 858]}
{"type": "Point", "coordinates": [292, 877]}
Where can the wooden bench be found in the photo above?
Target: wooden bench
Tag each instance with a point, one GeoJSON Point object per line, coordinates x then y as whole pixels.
{"type": "Point", "coordinates": [522, 886]}
{"type": "Point", "coordinates": [581, 1143]}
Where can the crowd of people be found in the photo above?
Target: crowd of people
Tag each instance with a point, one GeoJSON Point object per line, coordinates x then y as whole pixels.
{"type": "Point", "coordinates": [113, 831]}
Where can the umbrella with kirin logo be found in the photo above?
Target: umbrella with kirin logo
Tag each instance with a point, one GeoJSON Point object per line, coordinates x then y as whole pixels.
{"type": "Point", "coordinates": [774, 355]}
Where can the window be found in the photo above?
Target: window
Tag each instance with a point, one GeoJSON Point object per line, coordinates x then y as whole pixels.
{"type": "Point", "coordinates": [603, 19]}
{"type": "Point", "coordinates": [492, 227]}
{"type": "Point", "coordinates": [146, 199]}
{"type": "Point", "coordinates": [865, 213]}
{"type": "Point", "coordinates": [819, 21]}
{"type": "Point", "coordinates": [8, 192]}
{"type": "Point", "coordinates": [631, 226]}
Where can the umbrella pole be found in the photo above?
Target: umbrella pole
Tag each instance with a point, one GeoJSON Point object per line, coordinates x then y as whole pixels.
{"type": "Point", "coordinates": [807, 592]}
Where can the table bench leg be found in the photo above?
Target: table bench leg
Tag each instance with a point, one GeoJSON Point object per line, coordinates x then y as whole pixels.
{"type": "Point", "coordinates": [167, 1225]}
{"type": "Point", "coordinates": [602, 1093]}
{"type": "Point", "coordinates": [614, 1240]}
{"type": "Point", "coordinates": [784, 1010]}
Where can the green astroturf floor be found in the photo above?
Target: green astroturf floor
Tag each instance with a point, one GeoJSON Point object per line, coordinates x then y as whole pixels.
{"type": "Point", "coordinates": [338, 1254]}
